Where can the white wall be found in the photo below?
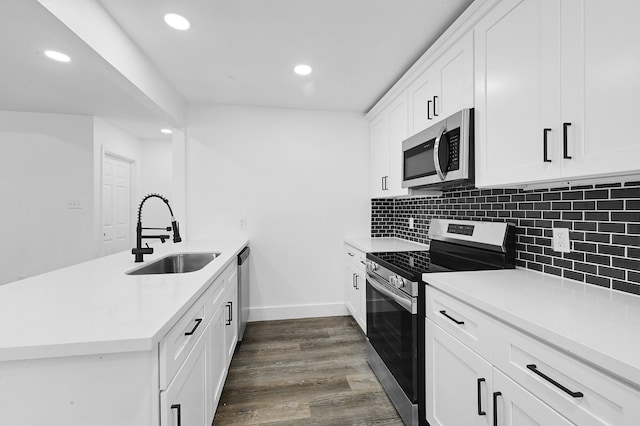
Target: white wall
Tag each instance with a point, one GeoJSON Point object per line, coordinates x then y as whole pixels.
{"type": "Point", "coordinates": [300, 178]}
{"type": "Point", "coordinates": [156, 176]}
{"type": "Point", "coordinates": [45, 161]}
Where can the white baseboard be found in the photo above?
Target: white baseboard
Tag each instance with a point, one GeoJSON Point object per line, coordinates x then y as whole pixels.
{"type": "Point", "coordinates": [270, 313]}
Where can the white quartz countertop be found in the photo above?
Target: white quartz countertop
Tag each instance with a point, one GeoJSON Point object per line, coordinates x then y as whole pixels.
{"type": "Point", "coordinates": [94, 308]}
{"type": "Point", "coordinates": [599, 325]}
{"type": "Point", "coordinates": [374, 245]}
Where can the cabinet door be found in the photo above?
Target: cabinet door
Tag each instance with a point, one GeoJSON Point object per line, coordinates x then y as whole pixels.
{"type": "Point", "coordinates": [458, 382]}
{"type": "Point", "coordinates": [361, 287]}
{"type": "Point", "coordinates": [184, 402]}
{"type": "Point", "coordinates": [353, 297]}
{"type": "Point", "coordinates": [379, 156]}
{"type": "Point", "coordinates": [455, 73]}
{"type": "Point", "coordinates": [397, 134]}
{"type": "Point", "coordinates": [420, 97]}
{"type": "Point", "coordinates": [517, 93]}
{"type": "Point", "coordinates": [600, 86]}
{"type": "Point", "coordinates": [230, 318]}
{"type": "Point", "coordinates": [517, 407]}
{"type": "Point", "coordinates": [217, 361]}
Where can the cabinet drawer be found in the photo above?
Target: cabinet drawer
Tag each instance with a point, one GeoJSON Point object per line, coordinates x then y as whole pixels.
{"type": "Point", "coordinates": [604, 400]}
{"type": "Point", "coordinates": [355, 256]}
{"type": "Point", "coordinates": [175, 346]}
{"type": "Point", "coordinates": [465, 323]}
{"type": "Point", "coordinates": [212, 296]}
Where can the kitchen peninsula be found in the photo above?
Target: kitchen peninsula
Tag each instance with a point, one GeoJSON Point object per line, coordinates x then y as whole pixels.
{"type": "Point", "coordinates": [89, 344]}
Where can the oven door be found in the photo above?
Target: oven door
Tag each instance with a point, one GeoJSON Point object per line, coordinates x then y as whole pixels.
{"type": "Point", "coordinates": [392, 330]}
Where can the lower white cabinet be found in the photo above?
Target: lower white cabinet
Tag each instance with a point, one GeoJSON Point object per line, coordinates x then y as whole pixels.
{"type": "Point", "coordinates": [356, 285]}
{"type": "Point", "coordinates": [185, 401]}
{"type": "Point", "coordinates": [192, 396]}
{"type": "Point", "coordinates": [458, 382]}
{"type": "Point", "coordinates": [217, 360]}
{"type": "Point", "coordinates": [524, 382]}
{"type": "Point", "coordinates": [230, 318]}
{"type": "Point", "coordinates": [515, 406]}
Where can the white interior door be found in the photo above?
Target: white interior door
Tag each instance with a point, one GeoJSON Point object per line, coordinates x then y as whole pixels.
{"type": "Point", "coordinates": [116, 205]}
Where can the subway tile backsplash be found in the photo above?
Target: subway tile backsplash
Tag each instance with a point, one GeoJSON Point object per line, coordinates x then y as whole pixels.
{"type": "Point", "coordinates": [603, 222]}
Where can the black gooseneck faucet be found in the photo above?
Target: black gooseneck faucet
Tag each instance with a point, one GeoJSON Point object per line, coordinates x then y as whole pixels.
{"type": "Point", "coordinates": [139, 251]}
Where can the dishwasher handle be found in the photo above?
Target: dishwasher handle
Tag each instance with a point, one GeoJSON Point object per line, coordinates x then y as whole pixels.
{"type": "Point", "coordinates": [243, 255]}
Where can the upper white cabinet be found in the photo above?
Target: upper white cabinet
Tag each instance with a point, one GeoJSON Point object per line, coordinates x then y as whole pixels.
{"type": "Point", "coordinates": [444, 88]}
{"type": "Point", "coordinates": [388, 131]}
{"type": "Point", "coordinates": [555, 86]}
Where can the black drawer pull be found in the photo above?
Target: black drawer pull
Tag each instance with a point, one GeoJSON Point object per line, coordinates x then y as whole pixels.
{"type": "Point", "coordinates": [480, 412]}
{"type": "Point", "coordinates": [533, 367]}
{"type": "Point", "coordinates": [177, 407]}
{"type": "Point", "coordinates": [451, 318]}
{"type": "Point", "coordinates": [495, 407]}
{"type": "Point", "coordinates": [428, 108]}
{"type": "Point", "coordinates": [434, 106]}
{"type": "Point", "coordinates": [544, 146]}
{"type": "Point", "coordinates": [189, 333]}
{"type": "Point", "coordinates": [565, 127]}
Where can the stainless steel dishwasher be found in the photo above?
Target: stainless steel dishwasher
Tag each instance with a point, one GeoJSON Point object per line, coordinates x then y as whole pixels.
{"type": "Point", "coordinates": [243, 291]}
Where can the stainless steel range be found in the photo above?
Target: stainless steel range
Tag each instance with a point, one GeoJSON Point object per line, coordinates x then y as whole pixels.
{"type": "Point", "coordinates": [395, 301]}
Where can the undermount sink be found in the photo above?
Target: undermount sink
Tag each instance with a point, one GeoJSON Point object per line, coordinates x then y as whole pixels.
{"type": "Point", "coordinates": [178, 263]}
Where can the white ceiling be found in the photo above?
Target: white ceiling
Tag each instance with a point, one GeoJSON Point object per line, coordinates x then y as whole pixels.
{"type": "Point", "coordinates": [236, 52]}
{"type": "Point", "coordinates": [86, 86]}
{"type": "Point", "coordinates": [243, 51]}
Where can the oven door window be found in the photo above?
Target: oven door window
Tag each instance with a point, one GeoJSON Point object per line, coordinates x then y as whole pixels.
{"type": "Point", "coordinates": [392, 331]}
{"type": "Point", "coordinates": [419, 161]}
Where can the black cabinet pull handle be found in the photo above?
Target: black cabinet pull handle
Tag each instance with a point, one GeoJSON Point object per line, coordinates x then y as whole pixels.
{"type": "Point", "coordinates": [193, 330]}
{"type": "Point", "coordinates": [357, 282]}
{"type": "Point", "coordinates": [565, 141]}
{"type": "Point", "coordinates": [544, 146]}
{"type": "Point", "coordinates": [495, 407]}
{"type": "Point", "coordinates": [353, 280]}
{"type": "Point", "coordinates": [177, 407]}
{"type": "Point", "coordinates": [480, 412]}
{"type": "Point", "coordinates": [533, 368]}
{"type": "Point", "coordinates": [428, 110]}
{"type": "Point", "coordinates": [230, 306]}
{"type": "Point", "coordinates": [434, 106]}
{"type": "Point", "coordinates": [451, 318]}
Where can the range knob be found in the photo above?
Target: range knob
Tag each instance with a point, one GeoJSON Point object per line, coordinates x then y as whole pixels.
{"type": "Point", "coordinates": [372, 266]}
{"type": "Point", "coordinates": [398, 282]}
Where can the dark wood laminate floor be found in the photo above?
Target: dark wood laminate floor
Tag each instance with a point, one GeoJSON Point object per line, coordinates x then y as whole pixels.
{"type": "Point", "coordinates": [310, 371]}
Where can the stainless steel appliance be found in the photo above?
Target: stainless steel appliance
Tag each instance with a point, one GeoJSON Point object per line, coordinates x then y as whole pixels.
{"type": "Point", "coordinates": [441, 155]}
{"type": "Point", "coordinates": [243, 291]}
{"type": "Point", "coordinates": [396, 301]}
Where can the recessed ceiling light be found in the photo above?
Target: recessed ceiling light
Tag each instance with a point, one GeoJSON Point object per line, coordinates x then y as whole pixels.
{"type": "Point", "coordinates": [302, 69]}
{"type": "Point", "coordinates": [57, 56]}
{"type": "Point", "coordinates": [167, 131]}
{"type": "Point", "coordinates": [177, 21]}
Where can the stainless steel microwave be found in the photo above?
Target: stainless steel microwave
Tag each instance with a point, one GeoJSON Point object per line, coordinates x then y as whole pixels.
{"type": "Point", "coordinates": [441, 155]}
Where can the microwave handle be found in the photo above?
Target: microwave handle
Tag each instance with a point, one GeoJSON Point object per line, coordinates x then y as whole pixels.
{"type": "Point", "coordinates": [436, 154]}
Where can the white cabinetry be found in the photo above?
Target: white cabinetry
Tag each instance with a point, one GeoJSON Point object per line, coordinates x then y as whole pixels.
{"type": "Point", "coordinates": [443, 88]}
{"type": "Point", "coordinates": [355, 285]}
{"type": "Point", "coordinates": [184, 402]}
{"type": "Point", "coordinates": [387, 133]}
{"type": "Point", "coordinates": [520, 381]}
{"type": "Point", "coordinates": [459, 382]}
{"type": "Point", "coordinates": [231, 317]}
{"type": "Point", "coordinates": [196, 353]}
{"type": "Point", "coordinates": [555, 86]}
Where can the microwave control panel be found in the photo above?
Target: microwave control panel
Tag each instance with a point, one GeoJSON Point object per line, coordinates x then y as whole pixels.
{"type": "Point", "coordinates": [454, 149]}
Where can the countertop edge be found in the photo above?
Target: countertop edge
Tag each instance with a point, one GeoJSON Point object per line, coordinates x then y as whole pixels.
{"type": "Point", "coordinates": [365, 244]}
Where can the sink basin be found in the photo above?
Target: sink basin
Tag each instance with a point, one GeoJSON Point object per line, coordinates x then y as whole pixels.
{"type": "Point", "coordinates": [178, 263]}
